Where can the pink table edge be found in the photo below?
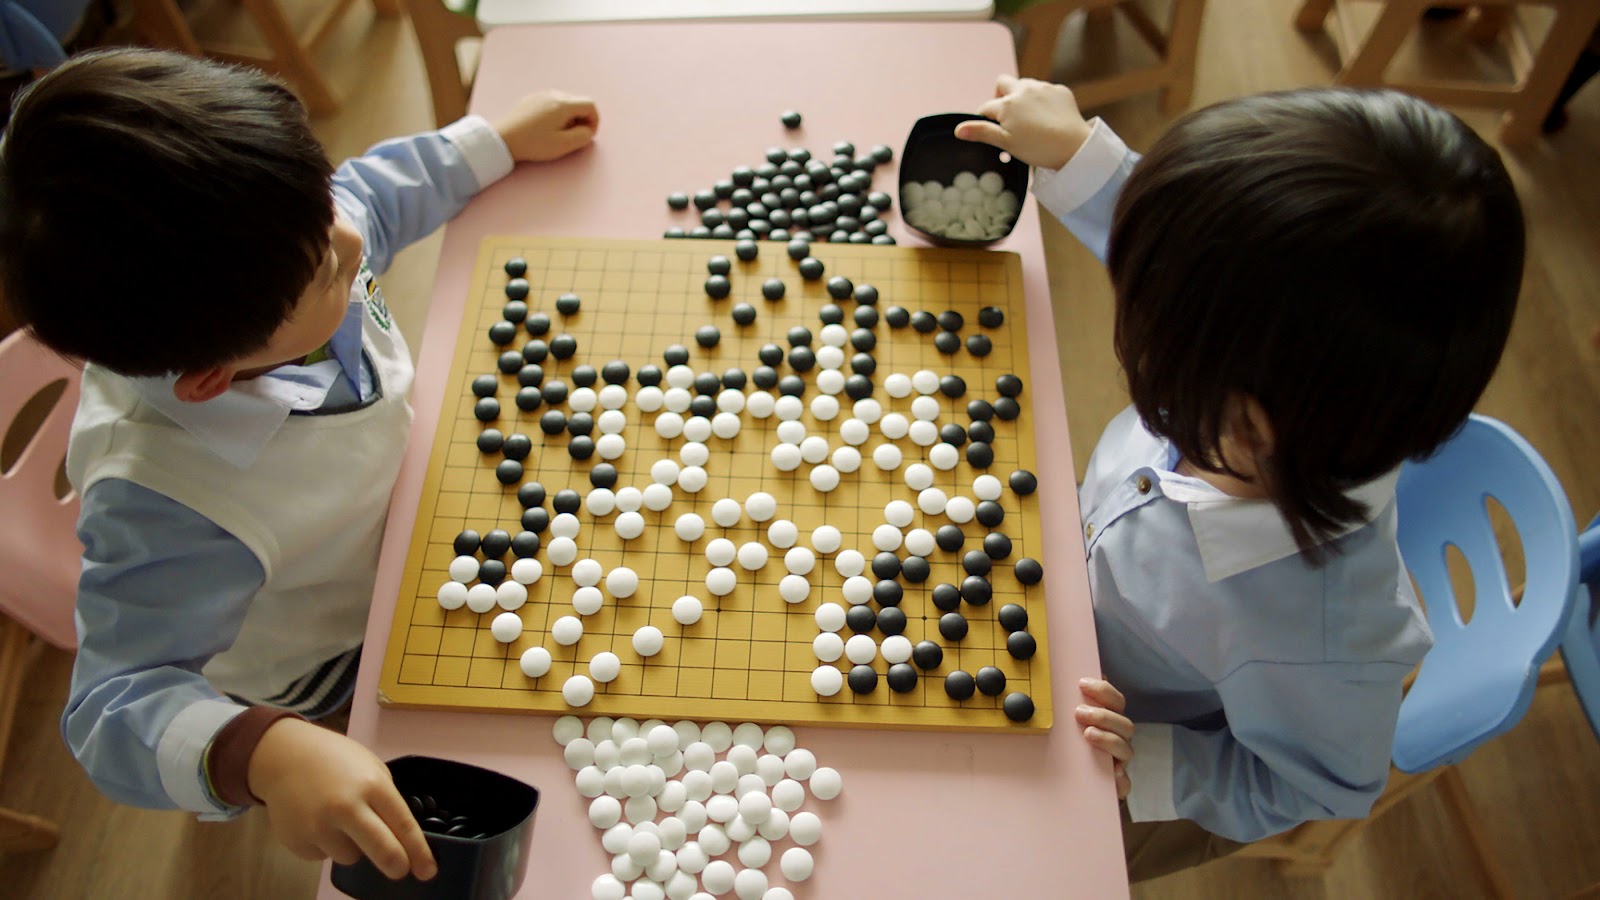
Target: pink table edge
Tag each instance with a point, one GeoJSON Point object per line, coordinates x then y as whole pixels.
{"type": "Point", "coordinates": [1055, 833]}
{"type": "Point", "coordinates": [500, 13]}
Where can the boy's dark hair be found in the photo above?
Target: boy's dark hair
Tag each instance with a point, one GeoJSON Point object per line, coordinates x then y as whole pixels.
{"type": "Point", "coordinates": [1350, 259]}
{"type": "Point", "coordinates": [159, 213]}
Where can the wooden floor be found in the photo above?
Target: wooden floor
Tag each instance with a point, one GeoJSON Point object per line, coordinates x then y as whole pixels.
{"type": "Point", "coordinates": [1538, 787]}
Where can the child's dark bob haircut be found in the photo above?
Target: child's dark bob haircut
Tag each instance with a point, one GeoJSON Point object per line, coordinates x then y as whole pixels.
{"type": "Point", "coordinates": [1350, 259]}
{"type": "Point", "coordinates": [159, 213]}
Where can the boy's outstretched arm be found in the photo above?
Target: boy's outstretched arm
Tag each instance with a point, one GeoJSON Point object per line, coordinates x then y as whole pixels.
{"type": "Point", "coordinates": [1106, 728]}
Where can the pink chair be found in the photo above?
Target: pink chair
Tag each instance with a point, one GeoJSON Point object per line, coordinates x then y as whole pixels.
{"type": "Point", "coordinates": [39, 550]}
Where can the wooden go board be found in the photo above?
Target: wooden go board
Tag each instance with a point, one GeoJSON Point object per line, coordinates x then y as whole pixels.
{"type": "Point", "coordinates": [750, 656]}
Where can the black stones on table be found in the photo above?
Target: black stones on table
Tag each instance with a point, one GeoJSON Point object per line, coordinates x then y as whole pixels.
{"type": "Point", "coordinates": [734, 379]}
{"type": "Point", "coordinates": [467, 543]}
{"type": "Point", "coordinates": [676, 355]}
{"type": "Point", "coordinates": [891, 621]}
{"type": "Point", "coordinates": [650, 375]}
{"type": "Point", "coordinates": [555, 392]}
{"type": "Point", "coordinates": [1007, 409]}
{"type": "Point", "coordinates": [799, 250]}
{"type": "Point", "coordinates": [707, 384]}
{"type": "Point", "coordinates": [875, 227]}
{"type": "Point", "coordinates": [980, 410]}
{"type": "Point", "coordinates": [707, 336]}
{"type": "Point", "coordinates": [844, 148]}
{"type": "Point", "coordinates": [990, 513]}
{"type": "Point", "coordinates": [510, 362]}
{"type": "Point", "coordinates": [775, 155]}
{"type": "Point", "coordinates": [496, 542]}
{"type": "Point", "coordinates": [673, 232]}
{"type": "Point", "coordinates": [746, 249]}
{"type": "Point", "coordinates": [947, 342]}
{"type": "Point", "coordinates": [799, 336]}
{"type": "Point", "coordinates": [953, 626]}
{"type": "Point", "coordinates": [811, 268]}
{"type": "Point", "coordinates": [863, 364]}
{"type": "Point", "coordinates": [897, 316]}
{"type": "Point", "coordinates": [743, 175]}
{"type": "Point", "coordinates": [487, 409]}
{"type": "Point", "coordinates": [568, 304]}
{"type": "Point", "coordinates": [525, 544]}
{"type": "Point", "coordinates": [718, 287]}
{"type": "Point", "coordinates": [678, 200]}
{"type": "Point", "coordinates": [792, 386]}
{"type": "Point", "coordinates": [863, 679]}
{"type": "Point", "coordinates": [531, 494]}
{"type": "Point", "coordinates": [839, 287]}
{"type": "Point", "coordinates": [517, 289]}
{"type": "Point", "coordinates": [537, 324]}
{"type": "Point", "coordinates": [952, 386]}
{"type": "Point", "coordinates": [712, 218]}
{"type": "Point", "coordinates": [553, 422]}
{"type": "Point", "coordinates": [952, 434]}
{"type": "Point", "coordinates": [530, 375]}
{"type": "Point", "coordinates": [950, 320]}
{"type": "Point", "coordinates": [703, 406]}
{"type": "Point", "coordinates": [1018, 706]}
{"type": "Point", "coordinates": [888, 592]}
{"type": "Point", "coordinates": [1028, 570]}
{"type": "Point", "coordinates": [509, 471]}
{"type": "Point", "coordinates": [585, 376]}
{"type": "Point", "coordinates": [976, 562]}
{"type": "Point", "coordinates": [765, 377]}
{"type": "Point", "coordinates": [1021, 645]}
{"type": "Point", "coordinates": [830, 314]}
{"type": "Point", "coordinates": [996, 545]}
{"type": "Point", "coordinates": [881, 153]}
{"type": "Point", "coordinates": [581, 447]}
{"type": "Point", "coordinates": [882, 239]}
{"type": "Point", "coordinates": [516, 267]}
{"type": "Point", "coordinates": [976, 591]}
{"type": "Point", "coordinates": [902, 678]}
{"type": "Point", "coordinates": [562, 346]}
{"type": "Point", "coordinates": [773, 289]}
{"type": "Point", "coordinates": [514, 311]}
{"type": "Point", "coordinates": [699, 232]}
{"type": "Point", "coordinates": [866, 316]}
{"type": "Point", "coordinates": [959, 685]}
{"type": "Point", "coordinates": [533, 353]}
{"type": "Point", "coordinates": [947, 597]}
{"type": "Point", "coordinates": [949, 538]}
{"type": "Point", "coordinates": [991, 681]}
{"type": "Point", "coordinates": [863, 340]}
{"type": "Point", "coordinates": [1013, 617]}
{"type": "Point", "coordinates": [580, 423]}
{"type": "Point", "coordinates": [886, 565]}
{"type": "Point", "coordinates": [979, 345]}
{"type": "Point", "coordinates": [705, 199]}
{"type": "Point", "coordinates": [866, 294]}
{"type": "Point", "coordinates": [566, 501]}
{"type": "Point", "coordinates": [491, 572]}
{"type": "Point", "coordinates": [536, 519]}
{"type": "Point", "coordinates": [980, 455]}
{"type": "Point", "coordinates": [1008, 385]}
{"type": "Point", "coordinates": [744, 314]}
{"type": "Point", "coordinates": [517, 447]}
{"type": "Point", "coordinates": [858, 387]}
{"type": "Point", "coordinates": [860, 619]}
{"type": "Point", "coordinates": [615, 372]}
{"type": "Point", "coordinates": [603, 475]}
{"type": "Point", "coordinates": [923, 321]}
{"type": "Point", "coordinates": [485, 385]}
{"type": "Point", "coordinates": [915, 569]}
{"type": "Point", "coordinates": [790, 120]}
{"type": "Point", "coordinates": [490, 440]}
{"type": "Point", "coordinates": [981, 433]}
{"type": "Point", "coordinates": [927, 655]}
{"type": "Point", "coordinates": [802, 359]}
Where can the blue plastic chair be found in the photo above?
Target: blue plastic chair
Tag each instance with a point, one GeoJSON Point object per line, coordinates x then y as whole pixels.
{"type": "Point", "coordinates": [32, 31]}
{"type": "Point", "coordinates": [1479, 678]}
{"type": "Point", "coordinates": [1580, 647]}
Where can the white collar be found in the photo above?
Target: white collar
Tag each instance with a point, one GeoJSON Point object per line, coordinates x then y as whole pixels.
{"type": "Point", "coordinates": [237, 424]}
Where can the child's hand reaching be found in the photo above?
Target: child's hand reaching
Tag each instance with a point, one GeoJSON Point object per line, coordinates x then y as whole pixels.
{"type": "Point", "coordinates": [1035, 121]}
{"type": "Point", "coordinates": [1105, 727]}
{"type": "Point", "coordinates": [548, 125]}
{"type": "Point", "coordinates": [328, 796]}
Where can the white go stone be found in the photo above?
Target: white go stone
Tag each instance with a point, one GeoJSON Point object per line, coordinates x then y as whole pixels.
{"type": "Point", "coordinates": [804, 827]}
{"type": "Point", "coordinates": [693, 479]}
{"type": "Point", "coordinates": [453, 594]}
{"type": "Point", "coordinates": [829, 382]}
{"type": "Point", "coordinates": [826, 682]}
{"type": "Point", "coordinates": [750, 884]}
{"type": "Point", "coordinates": [896, 648]}
{"type": "Point", "coordinates": [673, 795]}
{"type": "Point", "coordinates": [722, 807]}
{"type": "Point", "coordinates": [687, 610]}
{"type": "Point", "coordinates": [829, 358]}
{"type": "Point", "coordinates": [647, 641]}
{"type": "Point", "coordinates": [720, 551]}
{"type": "Point", "coordinates": [615, 839]}
{"type": "Point", "coordinates": [567, 729]}
{"type": "Point", "coordinates": [925, 408]}
{"type": "Point", "coordinates": [688, 732]}
{"type": "Point", "coordinates": [680, 376]}
{"type": "Point", "coordinates": [754, 808]}
{"type": "Point", "coordinates": [730, 401]}
{"type": "Point", "coordinates": [605, 667]}
{"type": "Point", "coordinates": [648, 399]}
{"type": "Point", "coordinates": [847, 459]}
{"type": "Point", "coordinates": [861, 649]}
{"type": "Point", "coordinates": [578, 690]}
{"type": "Point", "coordinates": [692, 859]}
{"type": "Point", "coordinates": [629, 525]}
{"type": "Point", "coordinates": [788, 408]}
{"type": "Point", "coordinates": [799, 560]}
{"type": "Point", "coordinates": [824, 478]}
{"type": "Point", "coordinates": [886, 537]}
{"type": "Point", "coordinates": [824, 407]}
{"type": "Point", "coordinates": [826, 539]}
{"type": "Point", "coordinates": [867, 410]}
{"type": "Point", "coordinates": [613, 397]}
{"type": "Point", "coordinates": [925, 381]}
{"type": "Point", "coordinates": [776, 827]}
{"type": "Point", "coordinates": [986, 487]}
{"type": "Point", "coordinates": [760, 404]}
{"type": "Point", "coordinates": [779, 740]}
{"type": "Point", "coordinates": [796, 864]}
{"type": "Point", "coordinates": [777, 893]}
{"type": "Point", "coordinates": [664, 471]}
{"type": "Point", "coordinates": [694, 453]}
{"type": "Point", "coordinates": [578, 754]}
{"type": "Point", "coordinates": [788, 795]}
{"type": "Point", "coordinates": [604, 811]}
{"type": "Point", "coordinates": [944, 456]}
{"type": "Point", "coordinates": [756, 851]}
{"type": "Point", "coordinates": [919, 477]}
{"type": "Point", "coordinates": [932, 501]}
{"type": "Point", "coordinates": [828, 647]}
{"type": "Point", "coordinates": [769, 768]}
{"type": "Point", "coordinates": [639, 809]}
{"type": "Point", "coordinates": [482, 597]}
{"type": "Point", "coordinates": [752, 555]}
{"type": "Point", "coordinates": [535, 662]}
{"type": "Point", "coordinates": [898, 513]}
{"type": "Point", "coordinates": [830, 617]}
{"type": "Point", "coordinates": [857, 589]}
{"type": "Point", "coordinates": [782, 534]}
{"type": "Point", "coordinates": [586, 572]}
{"type": "Point", "coordinates": [663, 741]}
{"type": "Point", "coordinates": [893, 426]}
{"type": "Point", "coordinates": [834, 335]}
{"type": "Point", "coordinates": [850, 562]}
{"type": "Point", "coordinates": [677, 400]}
{"type": "Point", "coordinates": [825, 785]}
{"type": "Point", "coordinates": [607, 887]}
{"type": "Point", "coordinates": [669, 425]}
{"type": "Point", "coordinates": [629, 499]}
{"type": "Point", "coordinates": [799, 763]}
{"type": "Point", "coordinates": [464, 568]}
{"type": "Point", "coordinates": [713, 839]}
{"type": "Point", "coordinates": [923, 433]}
{"type": "Point", "coordinates": [718, 876]}
{"type": "Point", "coordinates": [854, 432]}
{"type": "Point", "coordinates": [886, 457]}
{"type": "Point", "coordinates": [721, 581]}
{"type": "Point", "coordinates": [793, 588]}
{"type": "Point", "coordinates": [897, 385]}
{"type": "Point", "coordinates": [526, 571]}
{"type": "Point", "coordinates": [566, 630]}
{"type": "Point", "coordinates": [564, 525]}
{"type": "Point", "coordinates": [689, 527]}
{"type": "Point", "coordinates": [506, 627]}
{"type": "Point", "coordinates": [582, 399]}
{"type": "Point", "coordinates": [786, 457]}
{"type": "Point", "coordinates": [920, 542]}
{"type": "Point", "coordinates": [657, 497]}
{"type": "Point", "coordinates": [725, 425]}
{"type": "Point", "coordinates": [960, 510]}
{"type": "Point", "coordinates": [726, 512]}
{"type": "Point", "coordinates": [612, 421]}
{"type": "Point", "coordinates": [814, 449]}
{"type": "Point", "coordinates": [622, 582]}
{"type": "Point", "coordinates": [624, 729]}
{"type": "Point", "coordinates": [720, 736]}
{"type": "Point", "coordinates": [698, 756]}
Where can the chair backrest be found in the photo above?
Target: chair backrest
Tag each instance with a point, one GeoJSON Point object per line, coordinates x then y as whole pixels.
{"type": "Point", "coordinates": [40, 556]}
{"type": "Point", "coordinates": [1479, 678]}
{"type": "Point", "coordinates": [1580, 648]}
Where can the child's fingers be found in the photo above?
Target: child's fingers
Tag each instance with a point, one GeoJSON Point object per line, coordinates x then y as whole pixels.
{"type": "Point", "coordinates": [335, 845]}
{"type": "Point", "coordinates": [1004, 85]}
{"type": "Point", "coordinates": [1104, 693]}
{"type": "Point", "coordinates": [1113, 744]}
{"type": "Point", "coordinates": [1119, 773]}
{"type": "Point", "coordinates": [378, 844]}
{"type": "Point", "coordinates": [403, 825]}
{"type": "Point", "coordinates": [1105, 720]}
{"type": "Point", "coordinates": [582, 111]}
{"type": "Point", "coordinates": [983, 132]}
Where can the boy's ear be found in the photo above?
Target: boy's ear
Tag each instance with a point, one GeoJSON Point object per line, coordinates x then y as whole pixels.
{"type": "Point", "coordinates": [1251, 427]}
{"type": "Point", "coordinates": [206, 384]}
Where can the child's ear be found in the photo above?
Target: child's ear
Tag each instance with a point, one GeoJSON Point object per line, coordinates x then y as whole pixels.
{"type": "Point", "coordinates": [206, 384]}
{"type": "Point", "coordinates": [1251, 427]}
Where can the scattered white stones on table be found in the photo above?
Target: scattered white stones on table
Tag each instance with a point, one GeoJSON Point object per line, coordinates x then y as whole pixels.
{"type": "Point", "coordinates": [452, 595]}
{"type": "Point", "coordinates": [648, 641]}
{"type": "Point", "coordinates": [923, 433]}
{"type": "Point", "coordinates": [464, 568]}
{"type": "Point", "coordinates": [566, 630]}
{"type": "Point", "coordinates": [944, 456]}
{"type": "Point", "coordinates": [894, 426]}
{"type": "Point", "coordinates": [826, 539]}
{"type": "Point", "coordinates": [752, 555]}
{"type": "Point", "coordinates": [829, 616]}
{"type": "Point", "coordinates": [886, 537]}
{"type": "Point", "coordinates": [867, 410]}
{"type": "Point", "coordinates": [689, 527]}
{"type": "Point", "coordinates": [686, 610]}
{"type": "Point", "coordinates": [897, 385]}
{"type": "Point", "coordinates": [824, 478]}
{"type": "Point", "coordinates": [727, 512]}
{"type": "Point", "coordinates": [721, 581]}
{"type": "Point", "coordinates": [535, 662]}
{"type": "Point", "coordinates": [587, 600]}
{"type": "Point", "coordinates": [920, 542]}
{"type": "Point", "coordinates": [850, 562]}
{"type": "Point", "coordinates": [482, 597]}
{"type": "Point", "coordinates": [886, 457]}
{"type": "Point", "coordinates": [506, 627]}
{"type": "Point", "coordinates": [960, 510]}
{"type": "Point", "coordinates": [932, 501]}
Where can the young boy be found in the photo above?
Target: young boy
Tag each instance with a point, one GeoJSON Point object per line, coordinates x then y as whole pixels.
{"type": "Point", "coordinates": [172, 222]}
{"type": "Point", "coordinates": [1311, 287]}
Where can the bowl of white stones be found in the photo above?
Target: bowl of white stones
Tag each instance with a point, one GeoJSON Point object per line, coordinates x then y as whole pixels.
{"type": "Point", "coordinates": [958, 193]}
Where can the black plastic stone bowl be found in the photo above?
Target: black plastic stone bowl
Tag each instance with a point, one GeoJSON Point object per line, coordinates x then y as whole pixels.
{"type": "Point", "coordinates": [934, 153]}
{"type": "Point", "coordinates": [490, 868]}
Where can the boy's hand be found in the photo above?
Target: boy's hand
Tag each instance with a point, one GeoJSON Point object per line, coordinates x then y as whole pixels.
{"type": "Point", "coordinates": [548, 125]}
{"type": "Point", "coordinates": [1105, 727]}
{"type": "Point", "coordinates": [327, 795]}
{"type": "Point", "coordinates": [1035, 121]}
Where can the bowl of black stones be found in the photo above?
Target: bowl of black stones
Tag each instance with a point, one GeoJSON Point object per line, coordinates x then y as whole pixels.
{"type": "Point", "coordinates": [478, 823]}
{"type": "Point", "coordinates": [958, 193]}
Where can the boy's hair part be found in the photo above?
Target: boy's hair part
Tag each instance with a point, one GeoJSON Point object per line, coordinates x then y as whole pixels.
{"type": "Point", "coordinates": [161, 213]}
{"type": "Point", "coordinates": [1350, 259]}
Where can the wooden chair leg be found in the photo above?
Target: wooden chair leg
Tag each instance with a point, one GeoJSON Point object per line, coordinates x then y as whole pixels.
{"type": "Point", "coordinates": [1183, 43]}
{"type": "Point", "coordinates": [291, 57]}
{"type": "Point", "coordinates": [438, 32]}
{"type": "Point", "coordinates": [1042, 29]}
{"type": "Point", "coordinates": [1574, 23]}
{"type": "Point", "coordinates": [1312, 14]}
{"type": "Point", "coordinates": [20, 833]}
{"type": "Point", "coordinates": [1454, 791]}
{"type": "Point", "coordinates": [1367, 63]}
{"type": "Point", "coordinates": [1487, 22]}
{"type": "Point", "coordinates": [387, 9]}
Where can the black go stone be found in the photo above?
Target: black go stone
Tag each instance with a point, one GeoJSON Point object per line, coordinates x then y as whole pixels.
{"type": "Point", "coordinates": [860, 619]}
{"type": "Point", "coordinates": [839, 287]}
{"type": "Point", "coordinates": [977, 591]}
{"type": "Point", "coordinates": [980, 410]}
{"type": "Point", "coordinates": [744, 314]}
{"type": "Point", "coordinates": [566, 501]}
{"type": "Point", "coordinates": [723, 188]}
{"type": "Point", "coordinates": [886, 565]}
{"type": "Point", "coordinates": [491, 571]}
{"type": "Point", "coordinates": [1013, 617]}
{"type": "Point", "coordinates": [860, 237]}
{"type": "Point", "coordinates": [897, 316]}
{"type": "Point", "coordinates": [844, 148]}
{"type": "Point", "coordinates": [953, 434]}
{"type": "Point", "coordinates": [742, 197]}
{"type": "Point", "coordinates": [979, 345]}
{"type": "Point", "coordinates": [530, 375]}
{"type": "Point", "coordinates": [888, 593]}
{"type": "Point", "coordinates": [509, 471]}
{"type": "Point", "coordinates": [915, 569]}
{"type": "Point", "coordinates": [863, 364]}
{"type": "Point", "coordinates": [490, 440]}
{"type": "Point", "coordinates": [718, 287]}
{"type": "Point", "coordinates": [467, 543]}
{"type": "Point", "coordinates": [603, 475]}
{"type": "Point", "coordinates": [537, 324]}
{"type": "Point", "coordinates": [705, 199]}
{"type": "Point", "coordinates": [567, 304]}
{"type": "Point", "coordinates": [734, 379]}
{"type": "Point", "coordinates": [616, 372]}
{"type": "Point", "coordinates": [703, 406]}
{"type": "Point", "coordinates": [1029, 571]}
{"type": "Point", "coordinates": [881, 153]}
{"type": "Point", "coordinates": [879, 199]}
{"type": "Point", "coordinates": [799, 336]}
{"type": "Point", "coordinates": [746, 250]}
{"type": "Point", "coordinates": [953, 626]}
{"type": "Point", "coordinates": [839, 237]}
{"type": "Point", "coordinates": [562, 346]}
{"type": "Point", "coordinates": [511, 361]}
{"type": "Point", "coordinates": [525, 544]}
{"type": "Point", "coordinates": [700, 232]}
{"type": "Point", "coordinates": [927, 655]}
{"type": "Point", "coordinates": [496, 542]}
{"type": "Point", "coordinates": [555, 392]}
{"type": "Point", "coordinates": [485, 385]}
{"type": "Point", "coordinates": [799, 249]}
{"type": "Point", "coordinates": [947, 597]}
{"type": "Point", "coordinates": [1007, 409]}
{"type": "Point", "coordinates": [764, 377]}
{"type": "Point", "coordinates": [676, 355]}
{"type": "Point", "coordinates": [850, 203]}
{"type": "Point", "coordinates": [707, 336]}
{"type": "Point", "coordinates": [1021, 645]}
{"type": "Point", "coordinates": [891, 620]}
{"type": "Point", "coordinates": [743, 175]}
{"type": "Point", "coordinates": [902, 678]}
{"type": "Point", "coordinates": [923, 321]}
{"type": "Point", "coordinates": [531, 494]}
{"type": "Point", "coordinates": [950, 320]}
{"type": "Point", "coordinates": [876, 228]}
{"type": "Point", "coordinates": [580, 447]}
{"type": "Point", "coordinates": [802, 359]}
{"type": "Point", "coordinates": [980, 455]}
{"type": "Point", "coordinates": [585, 376]}
{"type": "Point", "coordinates": [996, 545]}
{"type": "Point", "coordinates": [517, 447]}
{"type": "Point", "coordinates": [1008, 385]}
{"type": "Point", "coordinates": [790, 119]}
{"type": "Point", "coordinates": [536, 519]}
{"type": "Point", "coordinates": [866, 316]}
{"type": "Point", "coordinates": [711, 218]}
{"type": "Point", "coordinates": [991, 681]}
{"type": "Point", "coordinates": [516, 267]}
{"type": "Point", "coordinates": [949, 538]}
{"type": "Point", "coordinates": [792, 385]}
{"type": "Point", "coordinates": [487, 409]}
{"type": "Point", "coordinates": [811, 268]}
{"type": "Point", "coordinates": [515, 311]}
{"type": "Point", "coordinates": [981, 432]}
{"type": "Point", "coordinates": [650, 375]}
{"type": "Point", "coordinates": [990, 513]}
{"type": "Point", "coordinates": [706, 384]}
{"type": "Point", "coordinates": [958, 685]}
{"type": "Point", "coordinates": [947, 342]}
{"type": "Point", "coordinates": [866, 294]}
{"type": "Point", "coordinates": [673, 232]}
{"type": "Point", "coordinates": [778, 154]}
{"type": "Point", "coordinates": [863, 340]}
{"type": "Point", "coordinates": [976, 562]}
{"type": "Point", "coordinates": [553, 422]}
{"type": "Point", "coordinates": [533, 352]}
{"type": "Point", "coordinates": [517, 289]}
{"type": "Point", "coordinates": [772, 289]}
{"type": "Point", "coordinates": [830, 314]}
{"type": "Point", "coordinates": [858, 387]}
{"type": "Point", "coordinates": [952, 386]}
{"type": "Point", "coordinates": [863, 679]}
{"type": "Point", "coordinates": [1018, 706]}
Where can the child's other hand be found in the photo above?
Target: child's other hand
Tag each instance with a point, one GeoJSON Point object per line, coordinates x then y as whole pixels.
{"type": "Point", "coordinates": [1105, 727]}
{"type": "Point", "coordinates": [328, 796]}
{"type": "Point", "coordinates": [548, 125]}
{"type": "Point", "coordinates": [1035, 121]}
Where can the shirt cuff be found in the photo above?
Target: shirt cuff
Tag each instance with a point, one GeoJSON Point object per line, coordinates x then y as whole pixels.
{"type": "Point", "coordinates": [1150, 772]}
{"type": "Point", "coordinates": [1065, 189]}
{"type": "Point", "coordinates": [482, 147]}
{"type": "Point", "coordinates": [181, 753]}
{"type": "Point", "coordinates": [228, 758]}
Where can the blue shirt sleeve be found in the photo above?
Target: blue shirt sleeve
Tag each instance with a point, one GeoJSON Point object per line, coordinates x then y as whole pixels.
{"type": "Point", "coordinates": [163, 589]}
{"type": "Point", "coordinates": [1083, 193]}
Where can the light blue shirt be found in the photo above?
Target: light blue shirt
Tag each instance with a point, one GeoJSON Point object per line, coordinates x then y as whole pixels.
{"type": "Point", "coordinates": [164, 589]}
{"type": "Point", "coordinates": [1264, 690]}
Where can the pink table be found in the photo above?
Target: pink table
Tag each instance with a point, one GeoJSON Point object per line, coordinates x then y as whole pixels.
{"type": "Point", "coordinates": [923, 815]}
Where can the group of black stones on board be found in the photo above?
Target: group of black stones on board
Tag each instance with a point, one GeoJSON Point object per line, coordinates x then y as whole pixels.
{"type": "Point", "coordinates": [976, 590]}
